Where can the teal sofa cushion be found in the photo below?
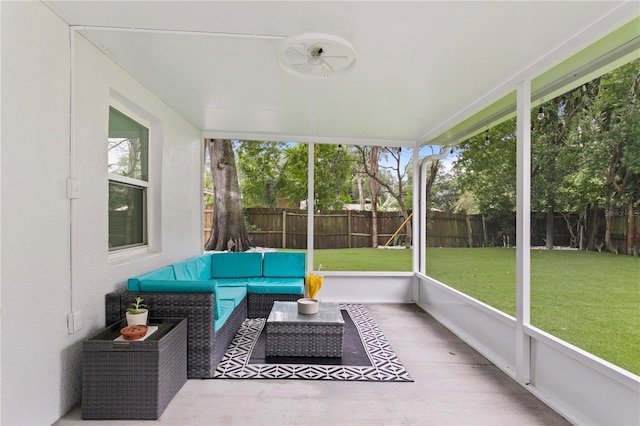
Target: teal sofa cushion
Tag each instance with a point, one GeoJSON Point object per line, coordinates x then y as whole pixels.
{"type": "Point", "coordinates": [276, 286]}
{"type": "Point", "coordinates": [197, 268]}
{"type": "Point", "coordinates": [284, 264]}
{"type": "Point", "coordinates": [236, 265]}
{"type": "Point", "coordinates": [231, 282]}
{"type": "Point", "coordinates": [166, 273]}
{"type": "Point", "coordinates": [222, 312]}
{"type": "Point", "coordinates": [174, 286]}
{"type": "Point", "coordinates": [236, 294]}
{"type": "Point", "coordinates": [226, 300]}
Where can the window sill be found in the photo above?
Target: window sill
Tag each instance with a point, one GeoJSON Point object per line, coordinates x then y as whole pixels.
{"type": "Point", "coordinates": [127, 255]}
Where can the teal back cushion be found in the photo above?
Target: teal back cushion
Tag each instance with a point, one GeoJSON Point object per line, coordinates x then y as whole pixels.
{"type": "Point", "coordinates": [236, 265]}
{"type": "Point", "coordinates": [165, 273]}
{"type": "Point", "coordinates": [179, 286]}
{"type": "Point", "coordinates": [197, 268]}
{"type": "Point", "coordinates": [284, 264]}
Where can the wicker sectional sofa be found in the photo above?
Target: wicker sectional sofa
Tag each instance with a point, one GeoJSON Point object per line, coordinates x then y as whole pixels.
{"type": "Point", "coordinates": [215, 292]}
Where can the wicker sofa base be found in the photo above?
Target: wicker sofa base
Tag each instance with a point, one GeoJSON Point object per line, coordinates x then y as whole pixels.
{"type": "Point", "coordinates": [260, 305]}
{"type": "Point", "coordinates": [205, 346]}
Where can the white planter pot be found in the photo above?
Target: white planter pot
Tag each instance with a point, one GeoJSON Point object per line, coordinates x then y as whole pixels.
{"type": "Point", "coordinates": [140, 318]}
{"type": "Point", "coordinates": [308, 306]}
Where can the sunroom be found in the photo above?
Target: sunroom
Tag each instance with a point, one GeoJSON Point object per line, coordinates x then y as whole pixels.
{"type": "Point", "coordinates": [408, 75]}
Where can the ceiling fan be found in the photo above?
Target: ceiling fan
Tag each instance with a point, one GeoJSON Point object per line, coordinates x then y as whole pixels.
{"type": "Point", "coordinates": [316, 55]}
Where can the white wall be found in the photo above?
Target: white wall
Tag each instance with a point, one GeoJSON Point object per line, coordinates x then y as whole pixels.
{"type": "Point", "coordinates": [40, 274]}
{"type": "Point", "coordinates": [489, 331]}
{"type": "Point", "coordinates": [35, 212]}
{"type": "Point", "coordinates": [367, 287]}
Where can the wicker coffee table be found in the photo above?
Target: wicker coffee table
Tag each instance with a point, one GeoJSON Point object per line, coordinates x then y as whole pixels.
{"type": "Point", "coordinates": [292, 334]}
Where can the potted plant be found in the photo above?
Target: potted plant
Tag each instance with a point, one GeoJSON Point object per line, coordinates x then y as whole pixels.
{"type": "Point", "coordinates": [134, 332]}
{"type": "Point", "coordinates": [138, 313]}
{"type": "Point", "coordinates": [310, 305]}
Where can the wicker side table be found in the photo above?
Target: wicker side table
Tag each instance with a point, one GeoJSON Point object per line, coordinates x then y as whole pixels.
{"type": "Point", "coordinates": [292, 334]}
{"type": "Point", "coordinates": [134, 380]}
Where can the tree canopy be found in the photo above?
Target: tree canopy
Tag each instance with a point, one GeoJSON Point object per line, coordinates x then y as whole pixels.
{"type": "Point", "coordinates": [585, 153]}
{"type": "Point", "coordinates": [274, 171]}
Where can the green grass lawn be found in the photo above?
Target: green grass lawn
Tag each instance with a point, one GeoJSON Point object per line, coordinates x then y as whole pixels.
{"type": "Point", "coordinates": [591, 300]}
{"type": "Point", "coordinates": [363, 259]}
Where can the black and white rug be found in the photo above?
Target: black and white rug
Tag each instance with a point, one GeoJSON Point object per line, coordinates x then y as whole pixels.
{"type": "Point", "coordinates": [367, 355]}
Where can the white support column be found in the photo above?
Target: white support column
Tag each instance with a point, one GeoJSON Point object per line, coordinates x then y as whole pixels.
{"type": "Point", "coordinates": [423, 205]}
{"type": "Point", "coordinates": [415, 221]}
{"type": "Point", "coordinates": [523, 236]}
{"type": "Point", "coordinates": [310, 204]}
{"type": "Point", "coordinates": [423, 216]}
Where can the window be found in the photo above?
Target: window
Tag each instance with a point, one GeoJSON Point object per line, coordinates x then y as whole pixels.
{"type": "Point", "coordinates": [128, 158]}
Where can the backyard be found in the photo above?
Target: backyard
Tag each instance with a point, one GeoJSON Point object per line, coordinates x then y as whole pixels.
{"type": "Point", "coordinates": [589, 299]}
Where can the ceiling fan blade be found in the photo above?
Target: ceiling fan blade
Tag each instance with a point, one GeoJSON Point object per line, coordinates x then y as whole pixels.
{"type": "Point", "coordinates": [296, 51]}
{"type": "Point", "coordinates": [326, 68]}
{"type": "Point", "coordinates": [306, 67]}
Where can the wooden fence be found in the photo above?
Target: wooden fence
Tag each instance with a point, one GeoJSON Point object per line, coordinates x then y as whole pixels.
{"type": "Point", "coordinates": [287, 228]}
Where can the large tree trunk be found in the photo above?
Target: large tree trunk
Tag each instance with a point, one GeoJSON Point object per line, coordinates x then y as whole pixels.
{"type": "Point", "coordinates": [607, 225]}
{"type": "Point", "coordinates": [607, 234]}
{"type": "Point", "coordinates": [228, 231]}
{"type": "Point", "coordinates": [374, 197]}
{"type": "Point", "coordinates": [551, 209]}
{"type": "Point", "coordinates": [592, 226]}
{"type": "Point", "coordinates": [613, 199]}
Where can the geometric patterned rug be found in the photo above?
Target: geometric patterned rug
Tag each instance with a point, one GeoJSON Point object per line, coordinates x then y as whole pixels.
{"type": "Point", "coordinates": [384, 365]}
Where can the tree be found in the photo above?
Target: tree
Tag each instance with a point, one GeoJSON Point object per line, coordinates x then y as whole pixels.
{"type": "Point", "coordinates": [486, 170]}
{"type": "Point", "coordinates": [228, 231]}
{"type": "Point", "coordinates": [614, 121]}
{"type": "Point", "coordinates": [434, 168]}
{"type": "Point", "coordinates": [271, 171]}
{"type": "Point", "coordinates": [260, 164]}
{"type": "Point", "coordinates": [393, 182]}
{"type": "Point", "coordinates": [332, 173]}
{"type": "Point", "coordinates": [446, 192]}
{"type": "Point", "coordinates": [585, 153]}
{"type": "Point", "coordinates": [554, 152]}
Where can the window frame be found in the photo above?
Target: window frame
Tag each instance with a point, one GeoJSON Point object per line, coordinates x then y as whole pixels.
{"type": "Point", "coordinates": [118, 252]}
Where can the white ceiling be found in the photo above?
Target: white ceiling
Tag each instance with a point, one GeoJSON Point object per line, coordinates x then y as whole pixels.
{"type": "Point", "coordinates": [422, 66]}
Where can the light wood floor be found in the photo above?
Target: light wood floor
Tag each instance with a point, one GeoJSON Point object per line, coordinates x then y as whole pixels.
{"type": "Point", "coordinates": [454, 385]}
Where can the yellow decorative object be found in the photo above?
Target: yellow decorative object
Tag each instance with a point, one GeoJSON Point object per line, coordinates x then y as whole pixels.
{"type": "Point", "coordinates": [314, 282]}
